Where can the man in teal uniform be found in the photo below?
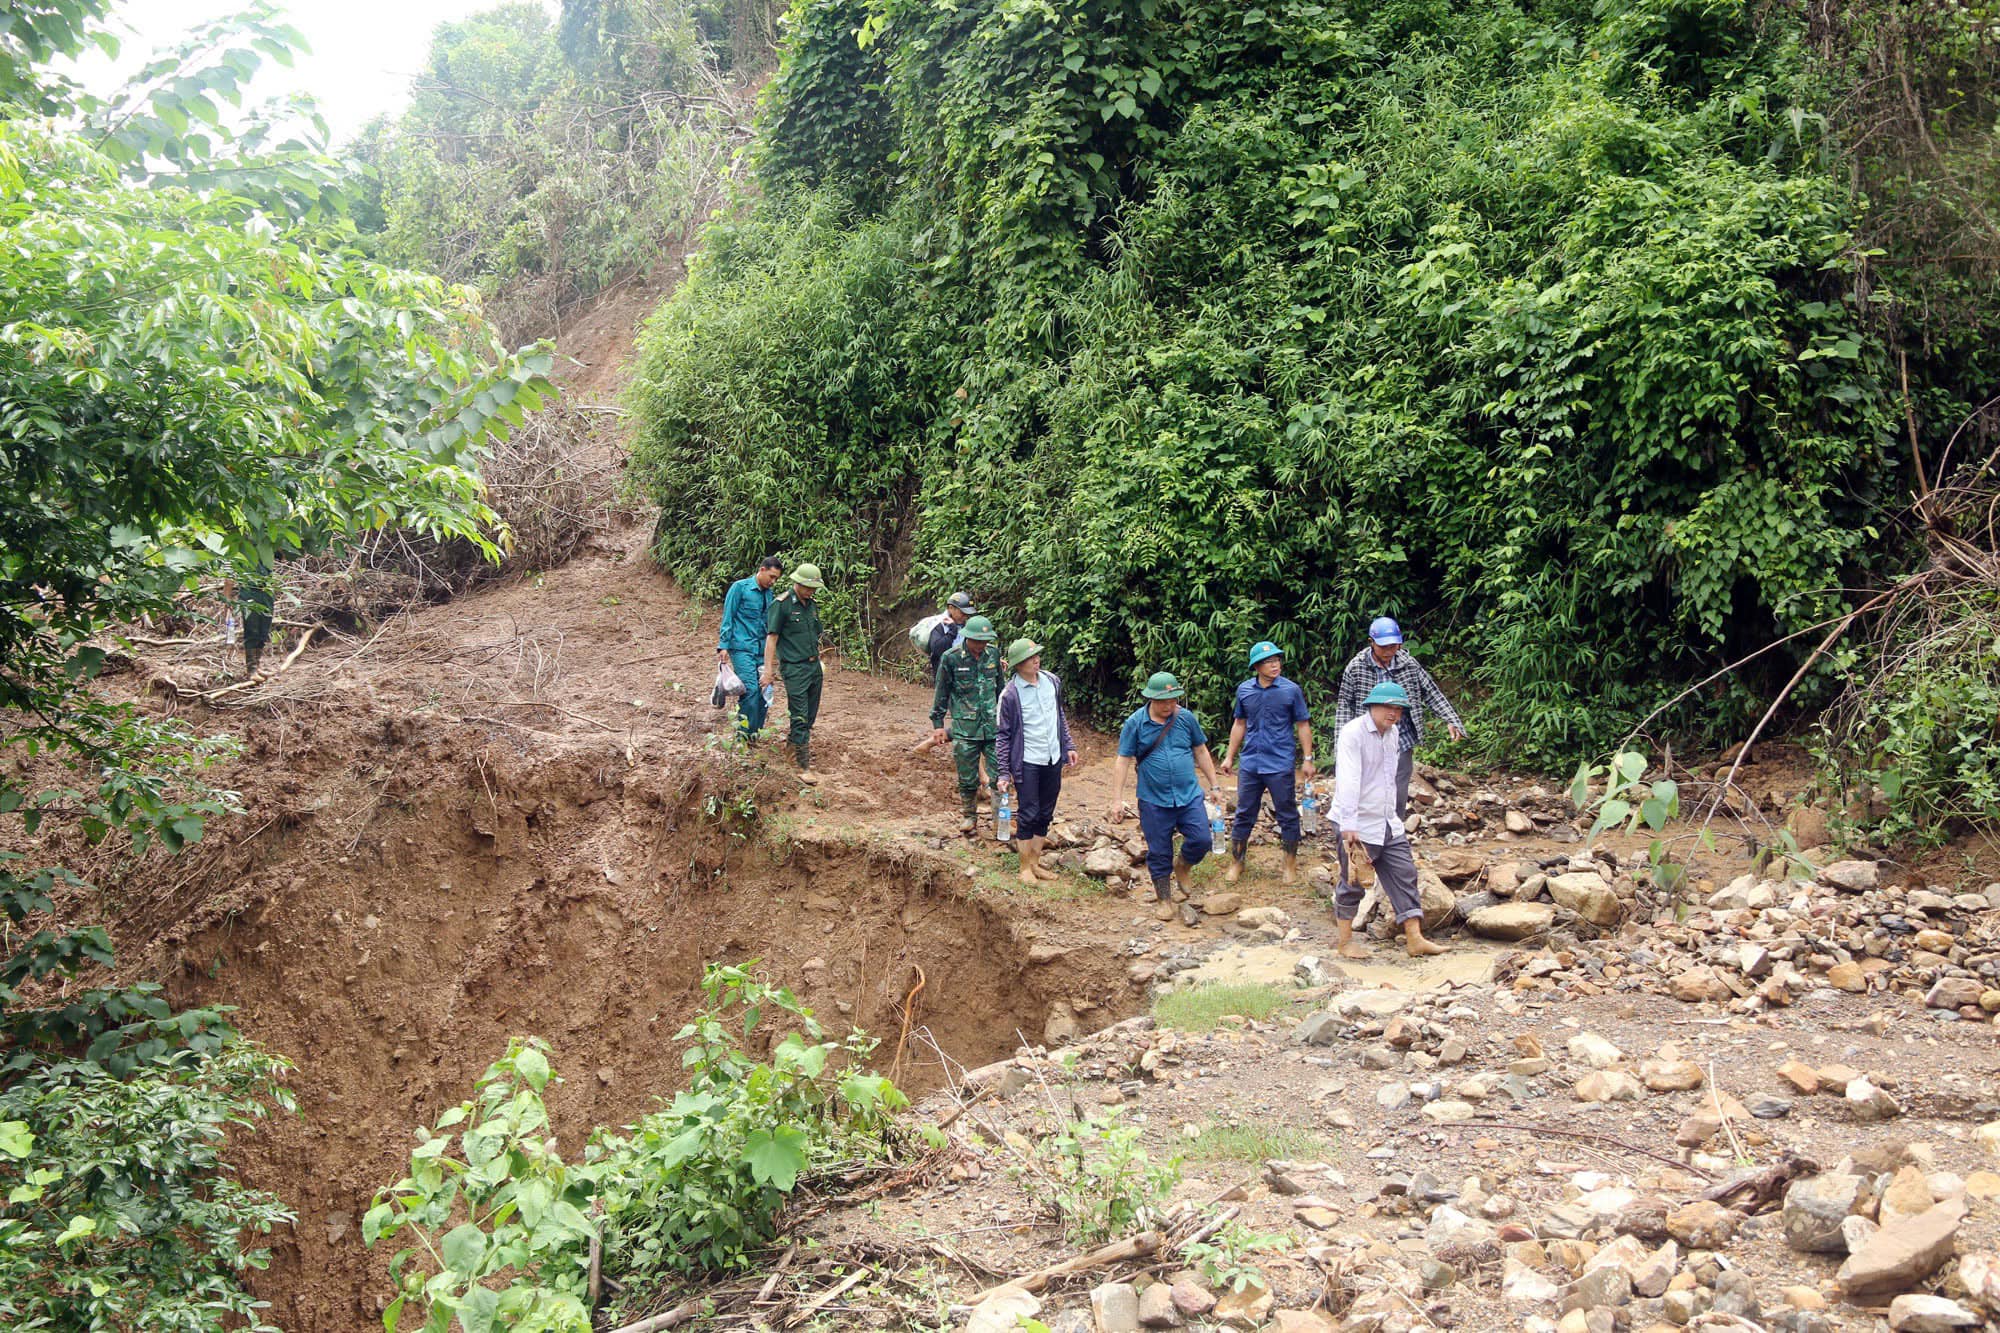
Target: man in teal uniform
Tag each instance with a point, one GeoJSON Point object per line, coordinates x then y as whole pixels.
{"type": "Point", "coordinates": [1164, 751]}
{"type": "Point", "coordinates": [968, 695]}
{"type": "Point", "coordinates": [746, 619]}
{"type": "Point", "coordinates": [791, 649]}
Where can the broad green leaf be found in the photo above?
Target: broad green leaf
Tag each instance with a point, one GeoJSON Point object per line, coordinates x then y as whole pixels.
{"type": "Point", "coordinates": [775, 1156]}
{"type": "Point", "coordinates": [463, 1248]}
{"type": "Point", "coordinates": [16, 1139]}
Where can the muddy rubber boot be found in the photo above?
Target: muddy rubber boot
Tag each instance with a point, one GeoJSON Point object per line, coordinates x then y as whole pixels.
{"type": "Point", "coordinates": [968, 819]}
{"type": "Point", "coordinates": [1290, 874]}
{"type": "Point", "coordinates": [1163, 900]}
{"type": "Point", "coordinates": [1238, 849]}
{"type": "Point", "coordinates": [1183, 886]}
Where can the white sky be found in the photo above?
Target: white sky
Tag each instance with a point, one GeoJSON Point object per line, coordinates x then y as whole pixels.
{"type": "Point", "coordinates": [364, 52]}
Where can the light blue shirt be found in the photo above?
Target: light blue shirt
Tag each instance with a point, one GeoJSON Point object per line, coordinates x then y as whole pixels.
{"type": "Point", "coordinates": [1041, 741]}
{"type": "Point", "coordinates": [745, 613]}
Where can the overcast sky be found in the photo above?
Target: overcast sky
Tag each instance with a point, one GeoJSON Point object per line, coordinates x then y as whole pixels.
{"type": "Point", "coordinates": [364, 52]}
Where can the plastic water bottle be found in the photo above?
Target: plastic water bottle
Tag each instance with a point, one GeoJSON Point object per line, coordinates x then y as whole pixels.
{"type": "Point", "coordinates": [1003, 815]}
{"type": "Point", "coordinates": [1215, 819]}
{"type": "Point", "coordinates": [770, 693]}
{"type": "Point", "coordinates": [230, 627]}
{"type": "Point", "coordinates": [1309, 811]}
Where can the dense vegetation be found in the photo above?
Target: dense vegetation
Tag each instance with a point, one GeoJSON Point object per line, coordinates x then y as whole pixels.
{"type": "Point", "coordinates": [199, 374]}
{"type": "Point", "coordinates": [543, 158]}
{"type": "Point", "coordinates": [1576, 336]}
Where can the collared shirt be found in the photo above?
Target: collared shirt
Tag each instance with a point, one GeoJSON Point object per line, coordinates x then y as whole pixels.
{"type": "Point", "coordinates": [1363, 673]}
{"type": "Point", "coordinates": [1364, 780]}
{"type": "Point", "coordinates": [1040, 743]}
{"type": "Point", "coordinates": [1271, 713]}
{"type": "Point", "coordinates": [1167, 775]}
{"type": "Point", "coordinates": [796, 624]}
{"type": "Point", "coordinates": [746, 618]}
{"type": "Point", "coordinates": [968, 693]}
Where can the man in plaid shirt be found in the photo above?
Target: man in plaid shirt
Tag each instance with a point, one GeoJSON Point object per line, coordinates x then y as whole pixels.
{"type": "Point", "coordinates": [1385, 659]}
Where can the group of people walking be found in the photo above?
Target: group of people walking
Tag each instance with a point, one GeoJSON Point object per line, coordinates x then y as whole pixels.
{"type": "Point", "coordinates": [1007, 717]}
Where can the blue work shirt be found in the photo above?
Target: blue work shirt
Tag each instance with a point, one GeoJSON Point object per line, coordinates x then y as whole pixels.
{"type": "Point", "coordinates": [1269, 713]}
{"type": "Point", "coordinates": [745, 614]}
{"type": "Point", "coordinates": [1166, 776]}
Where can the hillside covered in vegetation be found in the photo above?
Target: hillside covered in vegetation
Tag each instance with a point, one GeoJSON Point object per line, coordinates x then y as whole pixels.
{"type": "Point", "coordinates": [1603, 344]}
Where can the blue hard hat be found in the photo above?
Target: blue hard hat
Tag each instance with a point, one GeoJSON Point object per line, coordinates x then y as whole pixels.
{"type": "Point", "coordinates": [1263, 650]}
{"type": "Point", "coordinates": [1387, 692]}
{"type": "Point", "coordinates": [1384, 629]}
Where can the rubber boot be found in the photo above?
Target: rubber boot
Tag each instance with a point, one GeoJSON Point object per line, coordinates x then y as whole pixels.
{"type": "Point", "coordinates": [1290, 874]}
{"type": "Point", "coordinates": [1163, 900]}
{"type": "Point", "coordinates": [1238, 849]}
{"type": "Point", "coordinates": [968, 821]}
{"type": "Point", "coordinates": [1182, 884]}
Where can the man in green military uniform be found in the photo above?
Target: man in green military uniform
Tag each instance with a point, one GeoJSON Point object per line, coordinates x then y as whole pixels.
{"type": "Point", "coordinates": [968, 691]}
{"type": "Point", "coordinates": [791, 649]}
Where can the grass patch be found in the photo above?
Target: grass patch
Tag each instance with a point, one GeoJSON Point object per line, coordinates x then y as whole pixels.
{"type": "Point", "coordinates": [1200, 1009]}
{"type": "Point", "coordinates": [1252, 1143]}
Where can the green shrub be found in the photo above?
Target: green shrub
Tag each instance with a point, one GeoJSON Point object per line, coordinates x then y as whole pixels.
{"type": "Point", "coordinates": [1093, 1175]}
{"type": "Point", "coordinates": [1173, 326]}
{"type": "Point", "coordinates": [121, 1212]}
{"type": "Point", "coordinates": [497, 1223]}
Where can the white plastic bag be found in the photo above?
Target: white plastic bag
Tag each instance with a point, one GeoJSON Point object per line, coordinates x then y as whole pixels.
{"type": "Point", "coordinates": [920, 633]}
{"type": "Point", "coordinates": [727, 686]}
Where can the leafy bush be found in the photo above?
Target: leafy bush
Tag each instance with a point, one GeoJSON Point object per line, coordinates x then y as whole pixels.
{"type": "Point", "coordinates": [502, 1223]}
{"type": "Point", "coordinates": [1093, 1175]}
{"type": "Point", "coordinates": [1173, 326]}
{"type": "Point", "coordinates": [121, 1212]}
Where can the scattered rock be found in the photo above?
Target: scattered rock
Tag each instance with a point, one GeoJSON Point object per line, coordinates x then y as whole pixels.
{"type": "Point", "coordinates": [1670, 1075]}
{"type": "Point", "coordinates": [1302, 1321]}
{"type": "Point", "coordinates": [1703, 1225]}
{"type": "Point", "coordinates": [1586, 894]}
{"type": "Point", "coordinates": [1222, 904]}
{"type": "Point", "coordinates": [1156, 1307]}
{"type": "Point", "coordinates": [1848, 977]}
{"type": "Point", "coordinates": [1594, 1050]}
{"type": "Point", "coordinates": [1801, 1076]}
{"type": "Point", "coordinates": [1903, 1255]}
{"type": "Point", "coordinates": [1699, 984]}
{"type": "Point", "coordinates": [1321, 1029]}
{"type": "Point", "coordinates": [1605, 1085]}
{"type": "Point", "coordinates": [1815, 1208]}
{"type": "Point", "coordinates": [1853, 876]}
{"type": "Point", "coordinates": [1870, 1103]}
{"type": "Point", "coordinates": [1244, 1307]}
{"type": "Point", "coordinates": [1371, 1003]}
{"type": "Point", "coordinates": [1114, 1306]}
{"type": "Point", "coordinates": [1651, 1275]}
{"type": "Point", "coordinates": [1908, 1195]}
{"type": "Point", "coordinates": [1916, 1313]}
{"type": "Point", "coordinates": [1953, 993]}
{"type": "Point", "coordinates": [1003, 1310]}
{"type": "Point", "coordinates": [1191, 1298]}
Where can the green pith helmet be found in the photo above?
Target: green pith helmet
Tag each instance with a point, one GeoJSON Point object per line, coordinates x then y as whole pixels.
{"type": "Point", "coordinates": [1264, 650]}
{"type": "Point", "coordinates": [1162, 685]}
{"type": "Point", "coordinates": [980, 630]}
{"type": "Point", "coordinates": [1020, 651]}
{"type": "Point", "coordinates": [807, 576]}
{"type": "Point", "coordinates": [1387, 692]}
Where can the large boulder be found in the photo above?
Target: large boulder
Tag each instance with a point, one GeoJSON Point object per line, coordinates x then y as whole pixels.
{"type": "Point", "coordinates": [1511, 921]}
{"type": "Point", "coordinates": [1853, 876]}
{"type": "Point", "coordinates": [1588, 896]}
{"type": "Point", "coordinates": [1900, 1256]}
{"type": "Point", "coordinates": [1440, 904]}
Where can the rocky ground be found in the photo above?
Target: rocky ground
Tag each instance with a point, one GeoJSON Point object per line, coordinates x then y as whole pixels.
{"type": "Point", "coordinates": [1767, 1105]}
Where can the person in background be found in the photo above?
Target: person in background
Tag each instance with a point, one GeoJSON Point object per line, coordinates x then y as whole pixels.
{"type": "Point", "coordinates": [948, 633]}
{"type": "Point", "coordinates": [791, 649]}
{"type": "Point", "coordinates": [253, 601]}
{"type": "Point", "coordinates": [1272, 732]}
{"type": "Point", "coordinates": [1033, 743]}
{"type": "Point", "coordinates": [968, 695]}
{"type": "Point", "coordinates": [1386, 659]}
{"type": "Point", "coordinates": [746, 620]}
{"type": "Point", "coordinates": [1163, 752]}
{"type": "Point", "coordinates": [1364, 807]}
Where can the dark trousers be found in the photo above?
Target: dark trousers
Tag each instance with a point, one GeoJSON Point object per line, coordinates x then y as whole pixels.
{"type": "Point", "coordinates": [1250, 789]}
{"type": "Point", "coordinates": [1395, 868]}
{"type": "Point", "coordinates": [1037, 790]}
{"type": "Point", "coordinates": [1159, 823]}
{"type": "Point", "coordinates": [750, 708]}
{"type": "Point", "coordinates": [1405, 766]}
{"type": "Point", "coordinates": [802, 686]}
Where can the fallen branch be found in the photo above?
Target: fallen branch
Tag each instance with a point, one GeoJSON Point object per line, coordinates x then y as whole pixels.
{"type": "Point", "coordinates": [674, 1318]}
{"type": "Point", "coordinates": [1133, 1247]}
{"type": "Point", "coordinates": [810, 1308]}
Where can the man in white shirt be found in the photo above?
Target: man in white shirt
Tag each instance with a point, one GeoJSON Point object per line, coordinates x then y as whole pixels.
{"type": "Point", "coordinates": [1364, 809]}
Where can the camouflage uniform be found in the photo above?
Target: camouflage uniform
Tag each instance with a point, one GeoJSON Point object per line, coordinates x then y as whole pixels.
{"type": "Point", "coordinates": [968, 691]}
